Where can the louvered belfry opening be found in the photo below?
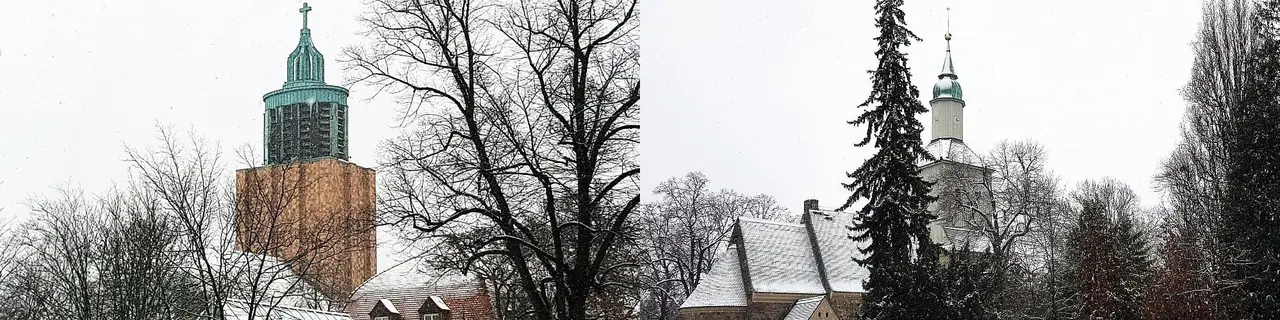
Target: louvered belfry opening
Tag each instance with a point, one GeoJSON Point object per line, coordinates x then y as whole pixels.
{"type": "Point", "coordinates": [304, 130]}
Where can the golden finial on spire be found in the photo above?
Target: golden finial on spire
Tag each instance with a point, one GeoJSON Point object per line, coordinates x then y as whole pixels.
{"type": "Point", "coordinates": [948, 36]}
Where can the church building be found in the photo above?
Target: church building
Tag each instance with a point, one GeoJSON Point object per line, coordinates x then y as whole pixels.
{"type": "Point", "coordinates": [312, 210]}
{"type": "Point", "coordinates": [778, 270]}
{"type": "Point", "coordinates": [308, 205]}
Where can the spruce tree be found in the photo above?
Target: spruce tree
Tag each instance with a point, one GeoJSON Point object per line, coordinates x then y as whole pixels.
{"type": "Point", "coordinates": [1133, 266]}
{"type": "Point", "coordinates": [895, 215]}
{"type": "Point", "coordinates": [1252, 190]}
{"type": "Point", "coordinates": [1107, 259]}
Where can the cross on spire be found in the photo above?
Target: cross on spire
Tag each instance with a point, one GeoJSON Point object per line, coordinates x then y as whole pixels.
{"type": "Point", "coordinates": [305, 8]}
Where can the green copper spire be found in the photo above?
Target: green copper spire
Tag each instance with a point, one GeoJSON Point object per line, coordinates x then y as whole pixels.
{"type": "Point", "coordinates": [306, 118]}
{"type": "Point", "coordinates": [947, 86]}
{"type": "Point", "coordinates": [306, 64]}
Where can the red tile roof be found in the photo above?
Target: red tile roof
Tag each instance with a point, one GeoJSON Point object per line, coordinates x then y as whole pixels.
{"type": "Point", "coordinates": [407, 289]}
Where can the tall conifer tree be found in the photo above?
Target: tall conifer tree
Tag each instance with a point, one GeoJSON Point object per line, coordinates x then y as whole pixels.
{"type": "Point", "coordinates": [894, 217]}
{"type": "Point", "coordinates": [1252, 207]}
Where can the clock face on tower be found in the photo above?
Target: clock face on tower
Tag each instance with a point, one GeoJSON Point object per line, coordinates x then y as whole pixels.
{"type": "Point", "coordinates": [957, 119]}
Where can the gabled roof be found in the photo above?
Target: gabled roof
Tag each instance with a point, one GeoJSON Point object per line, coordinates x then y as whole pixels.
{"type": "Point", "coordinates": [783, 257]}
{"type": "Point", "coordinates": [439, 303]}
{"type": "Point", "coordinates": [408, 287]}
{"type": "Point", "coordinates": [388, 305]}
{"type": "Point", "coordinates": [779, 257]}
{"type": "Point", "coordinates": [836, 249]}
{"type": "Point", "coordinates": [804, 308]}
{"type": "Point", "coordinates": [722, 286]}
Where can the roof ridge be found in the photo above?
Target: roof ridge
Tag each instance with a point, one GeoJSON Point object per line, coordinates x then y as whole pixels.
{"type": "Point", "coordinates": [296, 308]}
{"type": "Point", "coordinates": [750, 219]}
{"type": "Point", "coordinates": [811, 299]}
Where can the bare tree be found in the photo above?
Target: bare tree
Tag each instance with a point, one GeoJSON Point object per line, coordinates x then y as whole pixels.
{"type": "Point", "coordinates": [235, 242]}
{"type": "Point", "coordinates": [83, 259]}
{"type": "Point", "coordinates": [1000, 204]}
{"type": "Point", "coordinates": [685, 230]}
{"type": "Point", "coordinates": [139, 274]}
{"type": "Point", "coordinates": [1193, 178]}
{"type": "Point", "coordinates": [525, 119]}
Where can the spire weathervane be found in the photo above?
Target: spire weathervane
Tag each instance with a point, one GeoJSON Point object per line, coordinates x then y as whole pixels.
{"type": "Point", "coordinates": [305, 9]}
{"type": "Point", "coordinates": [947, 69]}
{"type": "Point", "coordinates": [948, 36]}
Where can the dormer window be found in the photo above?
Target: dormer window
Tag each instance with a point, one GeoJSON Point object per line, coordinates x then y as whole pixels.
{"type": "Point", "coordinates": [434, 308]}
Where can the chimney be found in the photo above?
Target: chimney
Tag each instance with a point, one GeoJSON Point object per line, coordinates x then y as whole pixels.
{"type": "Point", "coordinates": [810, 205]}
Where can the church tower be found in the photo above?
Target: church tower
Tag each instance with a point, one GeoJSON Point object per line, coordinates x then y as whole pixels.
{"type": "Point", "coordinates": [307, 205]}
{"type": "Point", "coordinates": [947, 144]}
{"type": "Point", "coordinates": [948, 101]}
{"type": "Point", "coordinates": [952, 157]}
{"type": "Point", "coordinates": [306, 118]}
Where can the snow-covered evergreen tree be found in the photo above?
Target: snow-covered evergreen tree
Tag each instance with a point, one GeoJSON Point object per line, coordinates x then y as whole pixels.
{"type": "Point", "coordinates": [1107, 259]}
{"type": "Point", "coordinates": [1252, 207]}
{"type": "Point", "coordinates": [894, 217]}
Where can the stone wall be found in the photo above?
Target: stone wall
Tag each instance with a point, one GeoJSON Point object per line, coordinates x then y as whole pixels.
{"type": "Point", "coordinates": [847, 305]}
{"type": "Point", "coordinates": [717, 313]}
{"type": "Point", "coordinates": [769, 310]}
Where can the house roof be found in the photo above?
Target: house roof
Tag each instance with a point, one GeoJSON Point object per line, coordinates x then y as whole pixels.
{"type": "Point", "coordinates": [803, 309]}
{"type": "Point", "coordinates": [783, 257]}
{"type": "Point", "coordinates": [837, 250]}
{"type": "Point", "coordinates": [439, 303]}
{"type": "Point", "coordinates": [722, 286]}
{"type": "Point", "coordinates": [387, 304]}
{"type": "Point", "coordinates": [779, 257]}
{"type": "Point", "coordinates": [236, 309]}
{"type": "Point", "coordinates": [272, 279]}
{"type": "Point", "coordinates": [408, 287]}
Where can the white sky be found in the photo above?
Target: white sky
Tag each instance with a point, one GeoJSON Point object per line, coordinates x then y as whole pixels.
{"type": "Point", "coordinates": [80, 79]}
{"type": "Point", "coordinates": [755, 94]}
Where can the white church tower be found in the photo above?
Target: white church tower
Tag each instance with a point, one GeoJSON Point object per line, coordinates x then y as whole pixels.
{"type": "Point", "coordinates": [948, 102]}
{"type": "Point", "coordinates": [950, 153]}
{"type": "Point", "coordinates": [947, 144]}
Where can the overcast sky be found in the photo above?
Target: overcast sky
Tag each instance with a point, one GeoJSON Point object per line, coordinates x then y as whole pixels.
{"type": "Point", "coordinates": [80, 79]}
{"type": "Point", "coordinates": [756, 94]}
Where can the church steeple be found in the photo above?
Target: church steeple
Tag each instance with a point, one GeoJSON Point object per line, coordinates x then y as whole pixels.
{"type": "Point", "coordinates": [947, 85]}
{"type": "Point", "coordinates": [948, 98]}
{"type": "Point", "coordinates": [306, 64]}
{"type": "Point", "coordinates": [306, 119]}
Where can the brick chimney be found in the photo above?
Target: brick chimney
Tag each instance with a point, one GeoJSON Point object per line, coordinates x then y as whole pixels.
{"type": "Point", "coordinates": [810, 205]}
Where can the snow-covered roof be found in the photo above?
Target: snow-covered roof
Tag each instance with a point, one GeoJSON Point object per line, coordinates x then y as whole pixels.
{"type": "Point", "coordinates": [235, 309]}
{"type": "Point", "coordinates": [439, 303]}
{"type": "Point", "coordinates": [722, 286]}
{"type": "Point", "coordinates": [960, 237]}
{"type": "Point", "coordinates": [951, 150]}
{"type": "Point", "coordinates": [387, 304]}
{"type": "Point", "coordinates": [779, 257]}
{"type": "Point", "coordinates": [837, 250]}
{"type": "Point", "coordinates": [803, 309]}
{"type": "Point", "coordinates": [264, 278]}
{"type": "Point", "coordinates": [408, 286]}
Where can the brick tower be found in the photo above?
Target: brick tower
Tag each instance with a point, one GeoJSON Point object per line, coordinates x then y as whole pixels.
{"type": "Point", "coordinates": [308, 205]}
